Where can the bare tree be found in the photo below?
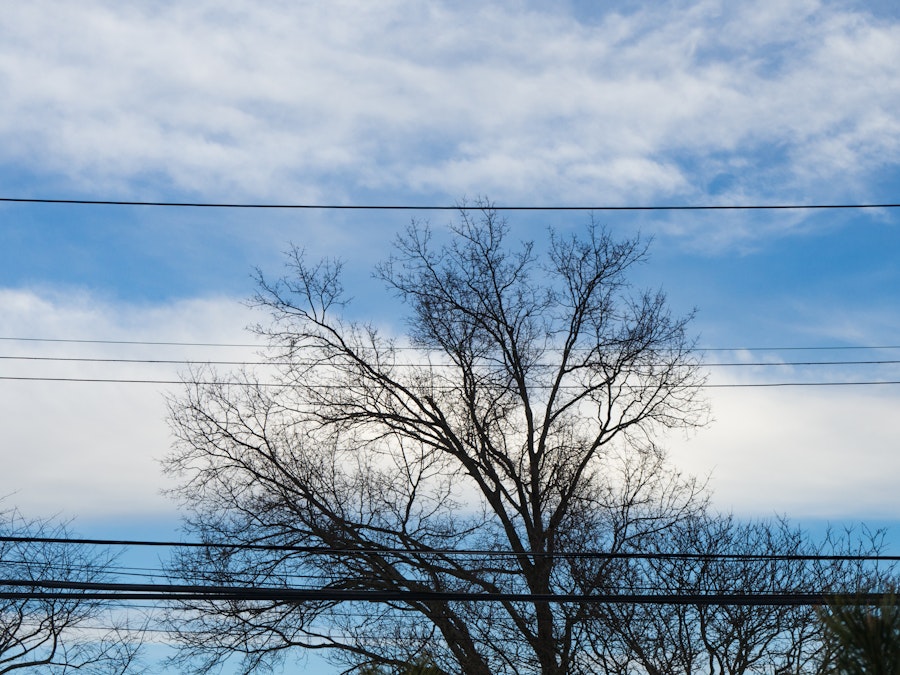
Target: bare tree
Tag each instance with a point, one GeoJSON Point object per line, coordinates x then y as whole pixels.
{"type": "Point", "coordinates": [52, 634]}
{"type": "Point", "coordinates": [517, 422]}
{"type": "Point", "coordinates": [714, 554]}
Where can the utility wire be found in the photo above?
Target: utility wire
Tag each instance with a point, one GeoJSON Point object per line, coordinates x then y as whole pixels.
{"type": "Point", "coordinates": [260, 345]}
{"type": "Point", "coordinates": [183, 362]}
{"type": "Point", "coordinates": [279, 385]}
{"type": "Point", "coordinates": [146, 343]}
{"type": "Point", "coordinates": [68, 590]}
{"type": "Point", "coordinates": [605, 555]}
{"type": "Point", "coordinates": [203, 362]}
{"type": "Point", "coordinates": [753, 385]}
{"type": "Point", "coordinates": [455, 207]}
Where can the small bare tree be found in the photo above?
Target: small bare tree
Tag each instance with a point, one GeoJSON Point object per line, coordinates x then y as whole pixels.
{"type": "Point", "coordinates": [51, 634]}
{"type": "Point", "coordinates": [714, 554]}
{"type": "Point", "coordinates": [517, 423]}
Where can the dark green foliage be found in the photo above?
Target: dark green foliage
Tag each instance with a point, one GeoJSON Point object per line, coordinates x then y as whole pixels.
{"type": "Point", "coordinates": [863, 640]}
{"type": "Point", "coordinates": [419, 666]}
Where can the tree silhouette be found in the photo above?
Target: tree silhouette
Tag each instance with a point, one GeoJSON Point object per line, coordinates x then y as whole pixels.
{"type": "Point", "coordinates": [517, 420]}
{"type": "Point", "coordinates": [49, 633]}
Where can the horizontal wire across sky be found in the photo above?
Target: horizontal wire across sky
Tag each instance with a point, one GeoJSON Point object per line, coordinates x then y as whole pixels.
{"type": "Point", "coordinates": [49, 588]}
{"type": "Point", "coordinates": [444, 207]}
{"type": "Point", "coordinates": [604, 555]}
{"type": "Point", "coordinates": [280, 385]}
{"type": "Point", "coordinates": [242, 363]}
{"type": "Point", "coordinates": [258, 345]}
{"type": "Point", "coordinates": [62, 590]}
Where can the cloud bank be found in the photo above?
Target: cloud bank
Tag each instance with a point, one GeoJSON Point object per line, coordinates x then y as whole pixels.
{"type": "Point", "coordinates": [92, 449]}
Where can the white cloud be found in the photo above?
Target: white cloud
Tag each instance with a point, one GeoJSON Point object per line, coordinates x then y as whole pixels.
{"type": "Point", "coordinates": [804, 452]}
{"type": "Point", "coordinates": [92, 449]}
{"type": "Point", "coordinates": [316, 101]}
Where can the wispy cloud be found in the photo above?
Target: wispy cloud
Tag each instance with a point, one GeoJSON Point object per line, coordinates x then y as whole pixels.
{"type": "Point", "coordinates": [791, 100]}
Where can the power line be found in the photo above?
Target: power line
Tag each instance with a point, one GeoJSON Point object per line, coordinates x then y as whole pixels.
{"type": "Point", "coordinates": [455, 207]}
{"type": "Point", "coordinates": [280, 385]}
{"type": "Point", "coordinates": [69, 590]}
{"type": "Point", "coordinates": [325, 550]}
{"type": "Point", "coordinates": [111, 380]}
{"type": "Point", "coordinates": [204, 362]}
{"type": "Point", "coordinates": [752, 385]}
{"type": "Point", "coordinates": [174, 362]}
{"type": "Point", "coordinates": [146, 343]}
{"type": "Point", "coordinates": [794, 348]}
{"type": "Point", "coordinates": [259, 345]}
{"type": "Point", "coordinates": [402, 348]}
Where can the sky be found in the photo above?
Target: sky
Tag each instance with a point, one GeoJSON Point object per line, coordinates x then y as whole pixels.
{"type": "Point", "coordinates": [430, 103]}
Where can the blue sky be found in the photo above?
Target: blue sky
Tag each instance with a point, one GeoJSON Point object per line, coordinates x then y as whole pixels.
{"type": "Point", "coordinates": [704, 102]}
{"type": "Point", "coordinates": [399, 103]}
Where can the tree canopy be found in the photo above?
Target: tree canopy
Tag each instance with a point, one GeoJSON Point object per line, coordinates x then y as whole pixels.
{"type": "Point", "coordinates": [447, 486]}
{"type": "Point", "coordinates": [56, 634]}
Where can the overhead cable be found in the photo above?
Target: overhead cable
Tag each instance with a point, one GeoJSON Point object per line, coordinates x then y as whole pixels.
{"type": "Point", "coordinates": [286, 385]}
{"type": "Point", "coordinates": [205, 362]}
{"type": "Point", "coordinates": [259, 345]}
{"type": "Point", "coordinates": [69, 590]}
{"type": "Point", "coordinates": [444, 207]}
{"type": "Point", "coordinates": [147, 343]}
{"type": "Point", "coordinates": [605, 555]}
